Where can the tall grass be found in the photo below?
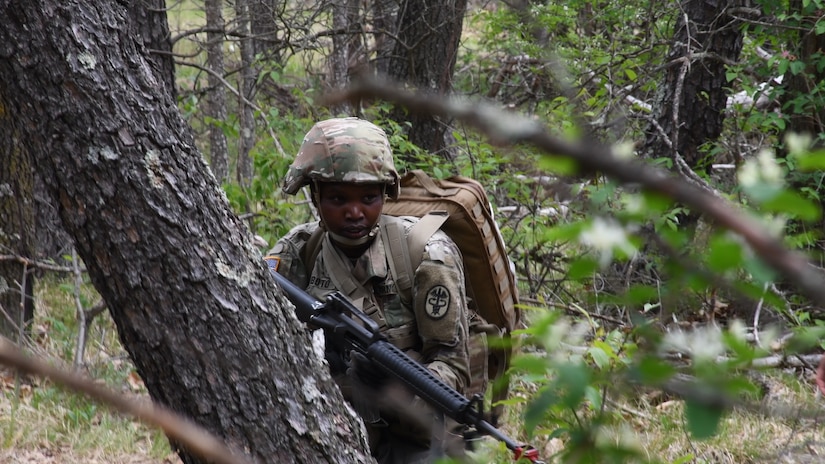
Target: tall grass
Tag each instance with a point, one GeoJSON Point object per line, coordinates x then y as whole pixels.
{"type": "Point", "coordinates": [39, 419]}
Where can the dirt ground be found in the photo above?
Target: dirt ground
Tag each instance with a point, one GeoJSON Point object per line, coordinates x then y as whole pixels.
{"type": "Point", "coordinates": [67, 456]}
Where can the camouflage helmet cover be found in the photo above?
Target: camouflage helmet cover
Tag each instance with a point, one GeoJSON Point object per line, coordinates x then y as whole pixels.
{"type": "Point", "coordinates": [343, 150]}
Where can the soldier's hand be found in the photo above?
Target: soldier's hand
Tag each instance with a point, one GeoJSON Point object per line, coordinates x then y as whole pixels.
{"type": "Point", "coordinates": [365, 371]}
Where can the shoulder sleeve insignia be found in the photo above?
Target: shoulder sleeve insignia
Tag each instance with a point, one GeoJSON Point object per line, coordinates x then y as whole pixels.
{"type": "Point", "coordinates": [437, 302]}
{"type": "Point", "coordinates": [273, 262]}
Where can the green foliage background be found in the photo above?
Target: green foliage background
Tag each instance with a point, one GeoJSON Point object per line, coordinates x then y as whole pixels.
{"type": "Point", "coordinates": [624, 303]}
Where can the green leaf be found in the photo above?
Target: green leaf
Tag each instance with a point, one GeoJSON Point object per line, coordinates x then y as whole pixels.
{"type": "Point", "coordinates": [535, 411]}
{"type": "Point", "coordinates": [702, 420]}
{"type": "Point", "coordinates": [782, 68]}
{"type": "Point", "coordinates": [654, 371]}
{"type": "Point", "coordinates": [559, 164]}
{"type": "Point", "coordinates": [760, 271]}
{"type": "Point", "coordinates": [572, 381]}
{"type": "Point", "coordinates": [563, 232]}
{"type": "Point", "coordinates": [641, 295]}
{"type": "Point", "coordinates": [813, 161]}
{"type": "Point", "coordinates": [724, 254]}
{"type": "Point", "coordinates": [582, 268]}
{"type": "Point", "coordinates": [630, 74]}
{"type": "Point", "coordinates": [656, 202]}
{"type": "Point", "coordinates": [600, 358]}
{"type": "Point", "coordinates": [594, 397]}
{"type": "Point", "coordinates": [739, 385]}
{"type": "Point", "coordinates": [530, 364]}
{"type": "Point", "coordinates": [794, 204]}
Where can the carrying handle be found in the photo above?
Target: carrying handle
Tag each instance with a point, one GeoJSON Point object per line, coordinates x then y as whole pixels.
{"type": "Point", "coordinates": [430, 186]}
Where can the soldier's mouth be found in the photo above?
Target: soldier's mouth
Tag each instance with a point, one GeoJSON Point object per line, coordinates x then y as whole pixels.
{"type": "Point", "coordinates": [354, 232]}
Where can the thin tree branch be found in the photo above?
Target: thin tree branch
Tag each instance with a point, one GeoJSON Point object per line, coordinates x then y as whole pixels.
{"type": "Point", "coordinates": [511, 129]}
{"type": "Point", "coordinates": [192, 436]}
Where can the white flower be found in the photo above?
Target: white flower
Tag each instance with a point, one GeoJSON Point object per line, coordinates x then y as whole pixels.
{"type": "Point", "coordinates": [761, 170]}
{"type": "Point", "coordinates": [605, 236]}
{"type": "Point", "coordinates": [774, 225]}
{"type": "Point", "coordinates": [702, 344]}
{"type": "Point", "coordinates": [798, 143]}
{"type": "Point", "coordinates": [634, 203]}
{"type": "Point", "coordinates": [624, 150]}
{"type": "Point", "coordinates": [737, 329]}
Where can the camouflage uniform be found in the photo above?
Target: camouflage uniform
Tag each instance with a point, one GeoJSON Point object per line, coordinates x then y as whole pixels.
{"type": "Point", "coordinates": [432, 329]}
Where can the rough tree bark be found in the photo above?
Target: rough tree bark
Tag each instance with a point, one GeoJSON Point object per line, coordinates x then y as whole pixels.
{"type": "Point", "coordinates": [383, 26]}
{"type": "Point", "coordinates": [149, 17]}
{"type": "Point", "coordinates": [216, 96]}
{"type": "Point", "coordinates": [690, 108]}
{"type": "Point", "coordinates": [194, 305]}
{"type": "Point", "coordinates": [428, 34]}
{"type": "Point", "coordinates": [346, 47]}
{"type": "Point", "coordinates": [246, 87]}
{"type": "Point", "coordinates": [266, 22]}
{"type": "Point", "coordinates": [17, 225]}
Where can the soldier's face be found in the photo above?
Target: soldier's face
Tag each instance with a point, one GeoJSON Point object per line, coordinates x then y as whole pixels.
{"type": "Point", "coordinates": [350, 210]}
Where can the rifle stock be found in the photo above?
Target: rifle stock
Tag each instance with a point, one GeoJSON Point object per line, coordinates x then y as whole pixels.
{"type": "Point", "coordinates": [338, 315]}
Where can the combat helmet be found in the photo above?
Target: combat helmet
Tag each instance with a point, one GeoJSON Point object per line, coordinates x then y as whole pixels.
{"type": "Point", "coordinates": [343, 150]}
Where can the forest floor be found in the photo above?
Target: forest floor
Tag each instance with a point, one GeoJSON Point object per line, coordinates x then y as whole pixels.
{"type": "Point", "coordinates": [788, 429]}
{"type": "Point", "coordinates": [67, 456]}
{"type": "Point", "coordinates": [43, 424]}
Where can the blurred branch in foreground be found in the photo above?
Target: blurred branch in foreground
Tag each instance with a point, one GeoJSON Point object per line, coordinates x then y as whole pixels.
{"type": "Point", "coordinates": [507, 128]}
{"type": "Point", "coordinates": [185, 432]}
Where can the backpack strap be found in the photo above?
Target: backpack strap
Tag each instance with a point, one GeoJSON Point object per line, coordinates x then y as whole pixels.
{"type": "Point", "coordinates": [406, 252]}
{"type": "Point", "coordinates": [421, 232]}
{"type": "Point", "coordinates": [311, 248]}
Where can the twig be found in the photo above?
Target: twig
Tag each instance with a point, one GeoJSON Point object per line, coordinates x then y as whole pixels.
{"type": "Point", "coordinates": [512, 129]}
{"type": "Point", "coordinates": [36, 264]}
{"type": "Point", "coordinates": [21, 326]}
{"type": "Point", "coordinates": [190, 435]}
{"type": "Point", "coordinates": [571, 309]}
{"type": "Point", "coordinates": [757, 314]}
{"type": "Point", "coordinates": [81, 314]}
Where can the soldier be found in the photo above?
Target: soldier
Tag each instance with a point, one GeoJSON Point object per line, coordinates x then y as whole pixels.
{"type": "Point", "coordinates": [347, 164]}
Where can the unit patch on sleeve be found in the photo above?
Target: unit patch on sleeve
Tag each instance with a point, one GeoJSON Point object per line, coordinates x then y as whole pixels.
{"type": "Point", "coordinates": [273, 262]}
{"type": "Point", "coordinates": [437, 302]}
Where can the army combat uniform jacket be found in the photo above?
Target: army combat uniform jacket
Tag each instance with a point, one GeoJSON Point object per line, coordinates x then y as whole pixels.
{"type": "Point", "coordinates": [431, 329]}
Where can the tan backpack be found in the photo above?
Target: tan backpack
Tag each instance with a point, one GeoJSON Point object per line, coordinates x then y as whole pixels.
{"type": "Point", "coordinates": [459, 206]}
{"type": "Point", "coordinates": [491, 283]}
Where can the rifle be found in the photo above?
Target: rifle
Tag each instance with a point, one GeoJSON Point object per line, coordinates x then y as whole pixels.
{"type": "Point", "coordinates": [363, 336]}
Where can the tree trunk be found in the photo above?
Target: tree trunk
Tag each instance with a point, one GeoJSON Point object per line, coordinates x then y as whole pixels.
{"type": "Point", "coordinates": [17, 224]}
{"type": "Point", "coordinates": [345, 49]}
{"type": "Point", "coordinates": [216, 95]}
{"type": "Point", "coordinates": [246, 88]}
{"type": "Point", "coordinates": [807, 48]}
{"type": "Point", "coordinates": [383, 26]}
{"type": "Point", "coordinates": [266, 19]}
{"type": "Point", "coordinates": [429, 33]}
{"type": "Point", "coordinates": [194, 305]}
{"type": "Point", "coordinates": [149, 17]}
{"type": "Point", "coordinates": [690, 106]}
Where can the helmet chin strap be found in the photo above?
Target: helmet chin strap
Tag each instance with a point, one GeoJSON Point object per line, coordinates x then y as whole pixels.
{"type": "Point", "coordinates": [353, 242]}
